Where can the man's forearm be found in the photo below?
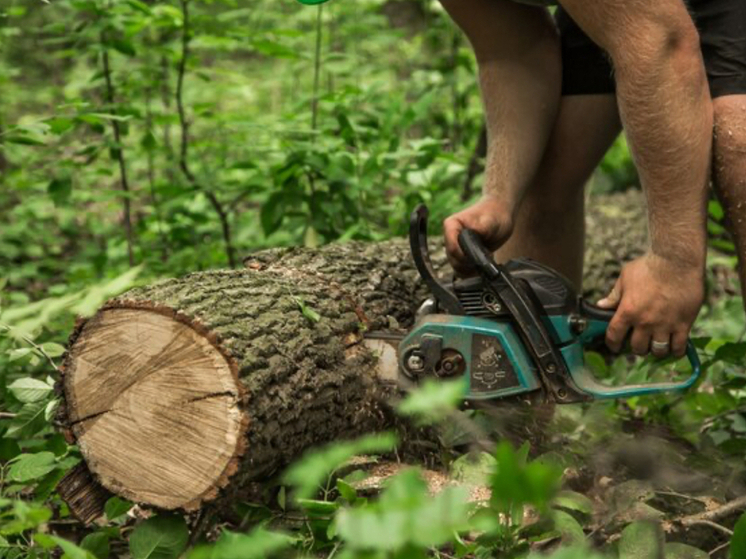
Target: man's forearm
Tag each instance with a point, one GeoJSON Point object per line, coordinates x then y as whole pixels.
{"type": "Point", "coordinates": [665, 106]}
{"type": "Point", "coordinates": [520, 74]}
{"type": "Point", "coordinates": [669, 122]}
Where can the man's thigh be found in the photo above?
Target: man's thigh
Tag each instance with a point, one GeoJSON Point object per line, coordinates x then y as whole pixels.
{"type": "Point", "coordinates": [722, 30]}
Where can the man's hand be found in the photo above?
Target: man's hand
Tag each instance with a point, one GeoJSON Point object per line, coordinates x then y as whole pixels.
{"type": "Point", "coordinates": [490, 218]}
{"type": "Point", "coordinates": [658, 299]}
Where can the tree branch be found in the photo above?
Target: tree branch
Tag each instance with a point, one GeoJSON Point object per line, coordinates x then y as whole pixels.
{"type": "Point", "coordinates": [709, 518]}
{"type": "Point", "coordinates": [119, 153]}
{"type": "Point", "coordinates": [184, 151]}
{"type": "Point", "coordinates": [736, 505]}
{"type": "Point", "coordinates": [151, 174]}
{"type": "Point", "coordinates": [317, 69]}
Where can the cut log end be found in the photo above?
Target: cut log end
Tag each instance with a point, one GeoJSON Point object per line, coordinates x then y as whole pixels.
{"type": "Point", "coordinates": [155, 406]}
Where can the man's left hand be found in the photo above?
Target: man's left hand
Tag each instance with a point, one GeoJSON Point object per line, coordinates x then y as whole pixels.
{"type": "Point", "coordinates": [658, 300]}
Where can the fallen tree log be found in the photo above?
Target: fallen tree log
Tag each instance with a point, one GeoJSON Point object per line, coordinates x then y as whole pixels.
{"type": "Point", "coordinates": [193, 386]}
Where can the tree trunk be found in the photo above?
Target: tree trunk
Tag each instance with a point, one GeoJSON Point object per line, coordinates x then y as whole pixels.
{"type": "Point", "coordinates": [191, 386]}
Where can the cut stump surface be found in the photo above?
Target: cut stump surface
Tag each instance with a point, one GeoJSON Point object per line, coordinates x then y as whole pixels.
{"type": "Point", "coordinates": [154, 406]}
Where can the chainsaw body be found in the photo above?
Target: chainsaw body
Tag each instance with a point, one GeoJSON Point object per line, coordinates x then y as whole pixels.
{"type": "Point", "coordinates": [513, 329]}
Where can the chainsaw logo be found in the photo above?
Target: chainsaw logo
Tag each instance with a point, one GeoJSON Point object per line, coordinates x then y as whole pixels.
{"type": "Point", "coordinates": [490, 358]}
{"type": "Point", "coordinates": [491, 369]}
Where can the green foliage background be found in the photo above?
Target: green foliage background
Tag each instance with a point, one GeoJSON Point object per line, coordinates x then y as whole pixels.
{"type": "Point", "coordinates": [249, 124]}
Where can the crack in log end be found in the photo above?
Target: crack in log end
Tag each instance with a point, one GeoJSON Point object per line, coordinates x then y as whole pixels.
{"type": "Point", "coordinates": [88, 418]}
{"type": "Point", "coordinates": [226, 394]}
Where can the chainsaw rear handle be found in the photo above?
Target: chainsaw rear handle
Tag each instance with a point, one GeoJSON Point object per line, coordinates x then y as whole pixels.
{"type": "Point", "coordinates": [597, 323]}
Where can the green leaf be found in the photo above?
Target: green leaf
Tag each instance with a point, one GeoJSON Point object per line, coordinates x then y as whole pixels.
{"type": "Point", "coordinates": [258, 544]}
{"type": "Point", "coordinates": [573, 501]}
{"type": "Point", "coordinates": [25, 140]}
{"type": "Point", "coordinates": [571, 531]}
{"type": "Point", "coordinates": [140, 7]}
{"type": "Point", "coordinates": [19, 353]}
{"type": "Point", "coordinates": [124, 46]}
{"type": "Point", "coordinates": [715, 210]}
{"type": "Point", "coordinates": [347, 491]}
{"type": "Point", "coordinates": [51, 409]}
{"type": "Point", "coordinates": [433, 399]}
{"type": "Point", "coordinates": [29, 390]}
{"type": "Point", "coordinates": [272, 213]}
{"type": "Point", "coordinates": [28, 467]}
{"type": "Point", "coordinates": [405, 516]}
{"type": "Point", "coordinates": [116, 507]}
{"type": "Point", "coordinates": [473, 468]}
{"type": "Point", "coordinates": [98, 295]}
{"type": "Point", "coordinates": [733, 353]}
{"type": "Point", "coordinates": [516, 483]}
{"type": "Point", "coordinates": [596, 363]}
{"type": "Point", "coordinates": [60, 189]}
{"type": "Point", "coordinates": [9, 449]}
{"type": "Point", "coordinates": [683, 551]}
{"type": "Point", "coordinates": [71, 550]}
{"type": "Point", "coordinates": [307, 474]}
{"type": "Point", "coordinates": [52, 349]}
{"type": "Point", "coordinates": [29, 421]}
{"type": "Point", "coordinates": [641, 540]}
{"type": "Point", "coordinates": [97, 544]}
{"type": "Point", "coordinates": [313, 507]}
{"type": "Point", "coordinates": [160, 537]}
{"type": "Point", "coordinates": [738, 541]}
{"type": "Point", "coordinates": [307, 311]}
{"type": "Point", "coordinates": [282, 497]}
{"type": "Point", "coordinates": [27, 516]}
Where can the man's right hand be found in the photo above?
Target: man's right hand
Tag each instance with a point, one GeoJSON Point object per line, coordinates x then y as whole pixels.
{"type": "Point", "coordinates": [490, 218]}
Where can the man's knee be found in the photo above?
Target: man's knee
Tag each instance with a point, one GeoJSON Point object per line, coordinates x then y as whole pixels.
{"type": "Point", "coordinates": [549, 210]}
{"type": "Point", "coordinates": [639, 32]}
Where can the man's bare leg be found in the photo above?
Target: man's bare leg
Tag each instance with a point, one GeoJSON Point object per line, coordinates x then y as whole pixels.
{"type": "Point", "coordinates": [729, 170]}
{"type": "Point", "coordinates": [550, 225]}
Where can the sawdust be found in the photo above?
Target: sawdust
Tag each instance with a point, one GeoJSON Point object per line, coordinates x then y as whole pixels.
{"type": "Point", "coordinates": [436, 481]}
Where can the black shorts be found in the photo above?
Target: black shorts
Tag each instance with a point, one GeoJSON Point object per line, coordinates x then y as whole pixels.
{"type": "Point", "coordinates": [722, 30]}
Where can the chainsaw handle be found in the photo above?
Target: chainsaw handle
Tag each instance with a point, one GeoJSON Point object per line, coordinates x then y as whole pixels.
{"type": "Point", "coordinates": [421, 256]}
{"type": "Point", "coordinates": [594, 312]}
{"type": "Point", "coordinates": [590, 385]}
{"type": "Point", "coordinates": [597, 322]}
{"type": "Point", "coordinates": [474, 249]}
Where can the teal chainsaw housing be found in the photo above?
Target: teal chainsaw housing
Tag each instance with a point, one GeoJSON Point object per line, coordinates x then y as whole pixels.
{"type": "Point", "coordinates": [492, 358]}
{"type": "Point", "coordinates": [511, 329]}
{"type": "Point", "coordinates": [495, 362]}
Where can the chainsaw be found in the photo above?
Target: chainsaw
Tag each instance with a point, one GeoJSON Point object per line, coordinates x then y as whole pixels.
{"type": "Point", "coordinates": [514, 329]}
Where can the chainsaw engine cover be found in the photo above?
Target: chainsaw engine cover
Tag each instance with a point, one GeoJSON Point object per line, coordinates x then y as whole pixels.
{"type": "Point", "coordinates": [553, 293]}
{"type": "Point", "coordinates": [488, 353]}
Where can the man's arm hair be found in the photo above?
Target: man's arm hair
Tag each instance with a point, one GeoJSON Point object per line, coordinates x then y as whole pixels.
{"type": "Point", "coordinates": [517, 49]}
{"type": "Point", "coordinates": [665, 106]}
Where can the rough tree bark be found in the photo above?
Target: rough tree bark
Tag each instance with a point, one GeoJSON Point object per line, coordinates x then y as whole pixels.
{"type": "Point", "coordinates": [193, 386]}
